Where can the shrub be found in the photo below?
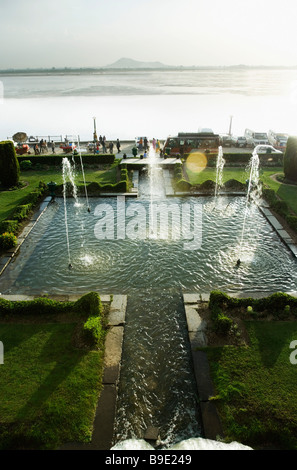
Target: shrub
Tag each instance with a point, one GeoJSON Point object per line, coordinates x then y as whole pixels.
{"type": "Point", "coordinates": [290, 159]}
{"type": "Point", "coordinates": [92, 331]}
{"type": "Point", "coordinates": [208, 185]}
{"type": "Point", "coordinates": [22, 211]}
{"type": "Point", "coordinates": [9, 165]}
{"type": "Point", "coordinates": [25, 165]}
{"type": "Point", "coordinates": [89, 303]}
{"type": "Point", "coordinates": [292, 221]}
{"type": "Point", "coordinates": [223, 324]}
{"type": "Point", "coordinates": [183, 185]}
{"type": "Point", "coordinates": [9, 226]}
{"type": "Point", "coordinates": [7, 240]}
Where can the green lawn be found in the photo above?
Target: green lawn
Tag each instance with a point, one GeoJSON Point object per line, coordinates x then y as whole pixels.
{"type": "Point", "coordinates": [256, 386]}
{"type": "Point", "coordinates": [285, 191]}
{"type": "Point", "coordinates": [48, 388]}
{"type": "Point", "coordinates": [30, 179]}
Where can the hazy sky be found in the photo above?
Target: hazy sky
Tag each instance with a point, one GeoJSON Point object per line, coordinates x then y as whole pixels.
{"type": "Point", "coordinates": [81, 33]}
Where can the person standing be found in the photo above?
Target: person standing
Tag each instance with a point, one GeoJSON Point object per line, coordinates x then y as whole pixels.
{"type": "Point", "coordinates": [145, 144]}
{"type": "Point", "coordinates": [118, 145]}
{"type": "Point", "coordinates": [53, 147]}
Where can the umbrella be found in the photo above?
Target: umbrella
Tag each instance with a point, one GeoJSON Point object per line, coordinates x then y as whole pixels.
{"type": "Point", "coordinates": [20, 137]}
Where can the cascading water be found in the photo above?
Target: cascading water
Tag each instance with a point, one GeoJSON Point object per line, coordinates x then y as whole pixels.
{"type": "Point", "coordinates": [83, 173]}
{"type": "Point", "coordinates": [69, 176]}
{"type": "Point", "coordinates": [253, 195]}
{"type": "Point", "coordinates": [66, 171]}
{"type": "Point", "coordinates": [156, 186]}
{"type": "Point", "coordinates": [219, 171]}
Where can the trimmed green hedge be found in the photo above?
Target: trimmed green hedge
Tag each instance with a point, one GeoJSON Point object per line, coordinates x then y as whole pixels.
{"type": "Point", "coordinates": [89, 306]}
{"type": "Point", "coordinates": [21, 212]}
{"type": "Point", "coordinates": [280, 207]}
{"type": "Point", "coordinates": [57, 159]}
{"type": "Point", "coordinates": [9, 165]}
{"type": "Point", "coordinates": [290, 159]}
{"type": "Point", "coordinates": [275, 304]}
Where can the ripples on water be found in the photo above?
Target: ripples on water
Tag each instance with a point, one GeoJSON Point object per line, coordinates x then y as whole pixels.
{"type": "Point", "coordinates": [153, 273]}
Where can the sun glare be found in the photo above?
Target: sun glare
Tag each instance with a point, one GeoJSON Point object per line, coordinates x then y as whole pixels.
{"type": "Point", "coordinates": [196, 162]}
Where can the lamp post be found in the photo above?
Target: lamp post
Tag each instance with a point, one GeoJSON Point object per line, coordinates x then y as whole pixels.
{"type": "Point", "coordinates": [95, 135]}
{"type": "Point", "coordinates": [230, 125]}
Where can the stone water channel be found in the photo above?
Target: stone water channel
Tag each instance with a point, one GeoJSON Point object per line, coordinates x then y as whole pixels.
{"type": "Point", "coordinates": [157, 382]}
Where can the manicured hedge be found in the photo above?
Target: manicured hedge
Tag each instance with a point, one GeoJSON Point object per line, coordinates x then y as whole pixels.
{"type": "Point", "coordinates": [275, 304]}
{"type": "Point", "coordinates": [88, 306]}
{"type": "Point", "coordinates": [57, 159]}
{"type": "Point", "coordinates": [21, 212]}
{"type": "Point", "coordinates": [290, 159]}
{"type": "Point", "coordinates": [280, 207]}
{"type": "Point", "coordinates": [9, 165]}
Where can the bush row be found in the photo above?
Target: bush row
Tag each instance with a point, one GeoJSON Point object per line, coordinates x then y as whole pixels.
{"type": "Point", "coordinates": [88, 306]}
{"type": "Point", "coordinates": [57, 159]}
{"type": "Point", "coordinates": [10, 227]}
{"type": "Point", "coordinates": [278, 304]}
{"type": "Point", "coordinates": [179, 182]}
{"type": "Point", "coordinates": [280, 207]}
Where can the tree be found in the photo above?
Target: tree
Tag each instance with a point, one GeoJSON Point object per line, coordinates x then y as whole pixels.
{"type": "Point", "coordinates": [290, 159]}
{"type": "Point", "coordinates": [9, 165]}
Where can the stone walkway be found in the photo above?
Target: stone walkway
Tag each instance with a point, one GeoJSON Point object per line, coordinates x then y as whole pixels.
{"type": "Point", "coordinates": [211, 423]}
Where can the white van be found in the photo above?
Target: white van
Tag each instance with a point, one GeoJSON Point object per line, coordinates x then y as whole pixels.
{"type": "Point", "coordinates": [256, 138]}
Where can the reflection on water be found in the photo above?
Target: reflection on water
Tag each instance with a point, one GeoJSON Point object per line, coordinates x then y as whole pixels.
{"type": "Point", "coordinates": [157, 382]}
{"type": "Point", "coordinates": [137, 262]}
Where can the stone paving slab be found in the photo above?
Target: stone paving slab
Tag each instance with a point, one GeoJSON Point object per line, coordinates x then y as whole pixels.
{"type": "Point", "coordinates": [113, 354]}
{"type": "Point", "coordinates": [197, 339]}
{"type": "Point", "coordinates": [274, 222]}
{"type": "Point", "coordinates": [191, 298]}
{"type": "Point", "coordinates": [194, 321]}
{"type": "Point", "coordinates": [212, 425]}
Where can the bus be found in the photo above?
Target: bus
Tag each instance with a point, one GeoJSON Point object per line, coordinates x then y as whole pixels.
{"type": "Point", "coordinates": [278, 140]}
{"type": "Point", "coordinates": [187, 142]}
{"type": "Point", "coordinates": [256, 138]}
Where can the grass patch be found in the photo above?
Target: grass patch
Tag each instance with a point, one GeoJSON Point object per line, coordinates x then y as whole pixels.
{"type": "Point", "coordinates": [255, 386]}
{"type": "Point", "coordinates": [30, 181]}
{"type": "Point", "coordinates": [51, 378]}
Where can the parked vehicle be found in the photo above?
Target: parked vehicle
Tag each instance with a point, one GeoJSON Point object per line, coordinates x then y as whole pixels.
{"type": "Point", "coordinates": [239, 141]}
{"type": "Point", "coordinates": [260, 149]}
{"type": "Point", "coordinates": [226, 140]}
{"type": "Point", "coordinates": [256, 138]}
{"type": "Point", "coordinates": [186, 142]}
{"type": "Point", "coordinates": [278, 140]}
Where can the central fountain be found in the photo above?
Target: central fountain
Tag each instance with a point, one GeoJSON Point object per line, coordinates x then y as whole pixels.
{"type": "Point", "coordinates": [157, 386]}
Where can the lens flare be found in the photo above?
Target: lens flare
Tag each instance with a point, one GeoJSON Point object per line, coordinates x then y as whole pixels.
{"type": "Point", "coordinates": [196, 162]}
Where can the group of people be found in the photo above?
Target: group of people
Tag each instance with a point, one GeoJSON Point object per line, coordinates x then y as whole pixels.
{"type": "Point", "coordinates": [41, 148]}
{"type": "Point", "coordinates": [101, 142]}
{"type": "Point", "coordinates": [144, 144]}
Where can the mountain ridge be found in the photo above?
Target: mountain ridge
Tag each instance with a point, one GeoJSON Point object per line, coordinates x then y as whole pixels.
{"type": "Point", "coordinates": [127, 63]}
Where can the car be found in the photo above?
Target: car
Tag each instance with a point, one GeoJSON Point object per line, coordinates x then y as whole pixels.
{"type": "Point", "coordinates": [266, 149]}
{"type": "Point", "coordinates": [239, 141]}
{"type": "Point", "coordinates": [225, 140]}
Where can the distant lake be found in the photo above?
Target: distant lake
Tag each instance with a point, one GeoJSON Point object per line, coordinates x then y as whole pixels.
{"type": "Point", "coordinates": [154, 103]}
